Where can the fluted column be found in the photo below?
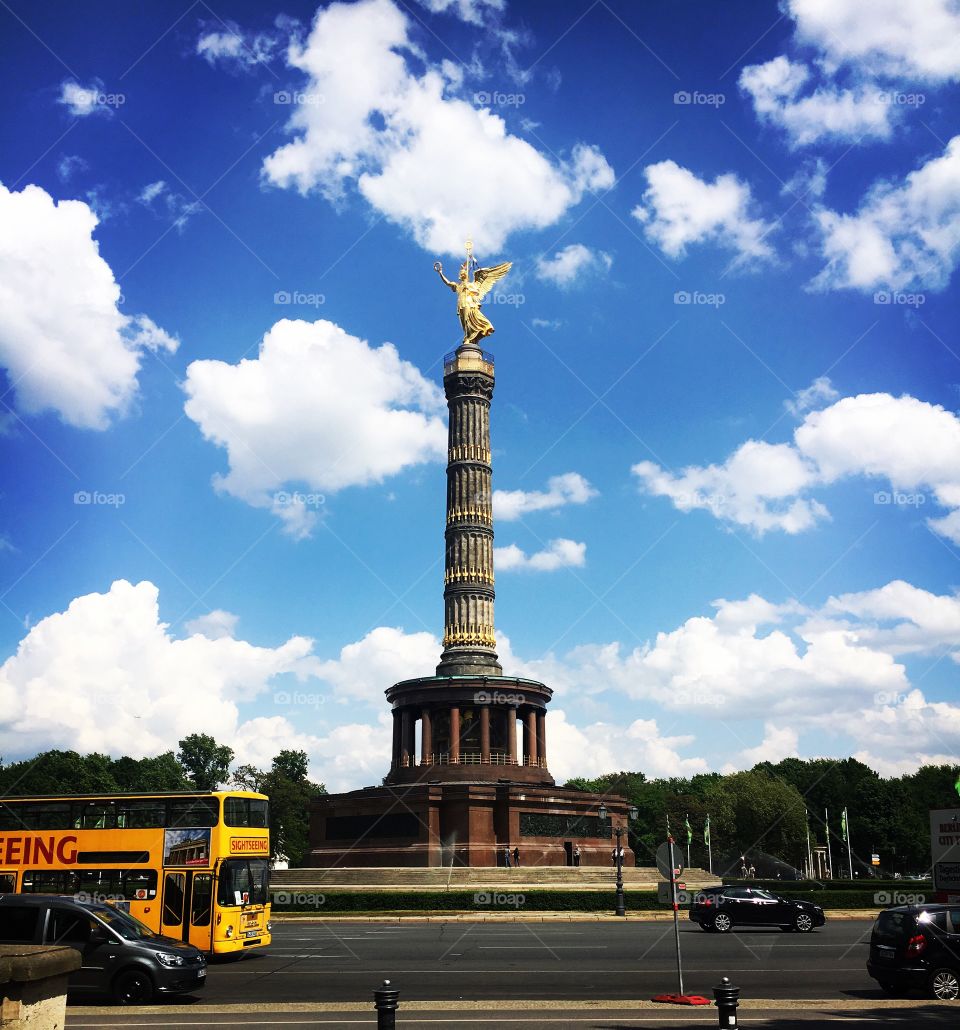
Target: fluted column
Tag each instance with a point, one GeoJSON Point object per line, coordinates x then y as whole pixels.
{"type": "Point", "coordinates": [426, 742]}
{"type": "Point", "coordinates": [455, 735]}
{"type": "Point", "coordinates": [485, 735]}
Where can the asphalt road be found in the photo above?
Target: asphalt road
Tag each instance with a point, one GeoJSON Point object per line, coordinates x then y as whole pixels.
{"type": "Point", "coordinates": [343, 962]}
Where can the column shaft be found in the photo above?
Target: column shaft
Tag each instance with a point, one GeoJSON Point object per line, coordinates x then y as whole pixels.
{"type": "Point", "coordinates": [406, 734]}
{"type": "Point", "coordinates": [512, 734]}
{"type": "Point", "coordinates": [397, 742]}
{"type": "Point", "coordinates": [485, 735]}
{"type": "Point", "coordinates": [530, 737]}
{"type": "Point", "coordinates": [455, 735]}
{"type": "Point", "coordinates": [426, 744]}
{"type": "Point", "coordinates": [542, 738]}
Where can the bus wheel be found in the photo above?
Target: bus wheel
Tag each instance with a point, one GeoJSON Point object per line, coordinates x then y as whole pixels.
{"type": "Point", "coordinates": [133, 987]}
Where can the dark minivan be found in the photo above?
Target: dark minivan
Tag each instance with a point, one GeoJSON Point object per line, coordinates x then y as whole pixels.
{"type": "Point", "coordinates": [121, 956]}
{"type": "Point", "coordinates": [917, 946]}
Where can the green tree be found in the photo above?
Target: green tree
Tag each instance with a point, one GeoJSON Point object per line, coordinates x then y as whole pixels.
{"type": "Point", "coordinates": [206, 762]}
{"type": "Point", "coordinates": [145, 774]}
{"type": "Point", "coordinates": [290, 794]}
{"type": "Point", "coordinates": [58, 772]}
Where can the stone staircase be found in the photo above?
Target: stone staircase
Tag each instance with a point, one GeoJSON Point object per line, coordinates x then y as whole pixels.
{"type": "Point", "coordinates": [460, 878]}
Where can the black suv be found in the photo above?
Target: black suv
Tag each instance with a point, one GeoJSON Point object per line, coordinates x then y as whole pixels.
{"type": "Point", "coordinates": [917, 946]}
{"type": "Point", "coordinates": [121, 956]}
{"type": "Point", "coordinates": [720, 909]}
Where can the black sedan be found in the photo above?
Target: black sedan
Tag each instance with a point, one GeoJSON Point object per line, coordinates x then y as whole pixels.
{"type": "Point", "coordinates": [720, 909]}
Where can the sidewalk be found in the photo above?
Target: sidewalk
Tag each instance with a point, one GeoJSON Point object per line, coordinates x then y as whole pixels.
{"type": "Point", "coordinates": [523, 917]}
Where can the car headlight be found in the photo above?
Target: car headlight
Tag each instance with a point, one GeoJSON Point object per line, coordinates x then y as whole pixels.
{"type": "Point", "coordinates": [229, 931]}
{"type": "Point", "coordinates": [169, 959]}
{"type": "Point", "coordinates": [269, 927]}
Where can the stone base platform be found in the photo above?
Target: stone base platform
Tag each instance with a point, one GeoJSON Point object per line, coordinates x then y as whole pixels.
{"type": "Point", "coordinates": [456, 824]}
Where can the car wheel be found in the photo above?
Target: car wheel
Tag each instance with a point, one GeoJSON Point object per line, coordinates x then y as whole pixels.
{"type": "Point", "coordinates": [722, 923]}
{"type": "Point", "coordinates": [804, 922]}
{"type": "Point", "coordinates": [133, 987]}
{"type": "Point", "coordinates": [945, 984]}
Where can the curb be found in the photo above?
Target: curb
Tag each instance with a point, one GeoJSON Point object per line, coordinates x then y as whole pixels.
{"type": "Point", "coordinates": [520, 917]}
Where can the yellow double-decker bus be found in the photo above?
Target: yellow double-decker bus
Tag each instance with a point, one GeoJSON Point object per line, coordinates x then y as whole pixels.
{"type": "Point", "coordinates": [193, 866]}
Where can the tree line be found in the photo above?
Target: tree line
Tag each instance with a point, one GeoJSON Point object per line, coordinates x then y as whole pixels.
{"type": "Point", "coordinates": [200, 763]}
{"type": "Point", "coordinates": [763, 814]}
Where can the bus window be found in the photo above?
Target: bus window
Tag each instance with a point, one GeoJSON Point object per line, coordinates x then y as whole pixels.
{"type": "Point", "coordinates": [200, 905]}
{"type": "Point", "coordinates": [8, 883]}
{"type": "Point", "coordinates": [98, 816]}
{"type": "Point", "coordinates": [245, 812]}
{"type": "Point", "coordinates": [141, 815]}
{"type": "Point", "coordinates": [47, 815]}
{"type": "Point", "coordinates": [243, 881]}
{"type": "Point", "coordinates": [50, 881]}
{"type": "Point", "coordinates": [173, 899]}
{"type": "Point", "coordinates": [140, 884]}
{"type": "Point", "coordinates": [193, 812]}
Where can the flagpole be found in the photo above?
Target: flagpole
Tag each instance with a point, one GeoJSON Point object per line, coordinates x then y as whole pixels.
{"type": "Point", "coordinates": [709, 842]}
{"type": "Point", "coordinates": [806, 819]}
{"type": "Point", "coordinates": [846, 819]}
{"type": "Point", "coordinates": [826, 826]}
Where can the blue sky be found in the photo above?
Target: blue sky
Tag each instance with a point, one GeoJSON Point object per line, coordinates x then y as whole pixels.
{"type": "Point", "coordinates": [725, 442]}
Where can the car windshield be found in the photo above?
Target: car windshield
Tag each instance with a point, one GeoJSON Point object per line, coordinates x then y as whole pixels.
{"type": "Point", "coordinates": [128, 926]}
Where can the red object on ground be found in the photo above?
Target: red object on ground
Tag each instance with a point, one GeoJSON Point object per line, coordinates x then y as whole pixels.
{"type": "Point", "coordinates": [682, 999]}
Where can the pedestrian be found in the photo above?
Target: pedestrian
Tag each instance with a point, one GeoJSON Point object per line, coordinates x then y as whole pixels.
{"type": "Point", "coordinates": [576, 856]}
{"type": "Point", "coordinates": [516, 857]}
{"type": "Point", "coordinates": [506, 855]}
{"type": "Point", "coordinates": [753, 871]}
{"type": "Point", "coordinates": [743, 869]}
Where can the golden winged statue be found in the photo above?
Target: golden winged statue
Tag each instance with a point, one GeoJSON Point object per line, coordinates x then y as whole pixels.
{"type": "Point", "coordinates": [470, 295]}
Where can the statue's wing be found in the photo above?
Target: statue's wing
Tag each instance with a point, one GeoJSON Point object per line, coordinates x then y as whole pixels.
{"type": "Point", "coordinates": [486, 277]}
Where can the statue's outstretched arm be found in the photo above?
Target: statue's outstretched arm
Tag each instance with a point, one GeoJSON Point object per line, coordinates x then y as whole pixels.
{"type": "Point", "coordinates": [438, 268]}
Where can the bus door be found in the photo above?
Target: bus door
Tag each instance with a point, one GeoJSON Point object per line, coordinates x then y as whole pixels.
{"type": "Point", "coordinates": [172, 904]}
{"type": "Point", "coordinates": [199, 927]}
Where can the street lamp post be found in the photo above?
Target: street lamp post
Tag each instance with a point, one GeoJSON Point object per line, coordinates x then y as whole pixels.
{"type": "Point", "coordinates": [621, 909]}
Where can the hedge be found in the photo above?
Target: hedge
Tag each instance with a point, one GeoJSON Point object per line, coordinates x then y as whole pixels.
{"type": "Point", "coordinates": [865, 884]}
{"type": "Point", "coordinates": [301, 900]}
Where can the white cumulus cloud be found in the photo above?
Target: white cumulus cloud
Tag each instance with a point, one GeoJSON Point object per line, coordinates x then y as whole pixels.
{"type": "Point", "coordinates": [911, 446]}
{"type": "Point", "coordinates": [558, 554]}
{"type": "Point", "coordinates": [408, 143]}
{"type": "Point", "coordinates": [65, 343]}
{"type": "Point", "coordinates": [317, 410]}
{"type": "Point", "coordinates": [569, 488]}
{"type": "Point", "coordinates": [903, 236]}
{"type": "Point", "coordinates": [572, 263]}
{"type": "Point", "coordinates": [678, 210]}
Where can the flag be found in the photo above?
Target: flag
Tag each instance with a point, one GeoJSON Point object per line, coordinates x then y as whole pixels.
{"type": "Point", "coordinates": [688, 828]}
{"type": "Point", "coordinates": [843, 825]}
{"type": "Point", "coordinates": [706, 831]}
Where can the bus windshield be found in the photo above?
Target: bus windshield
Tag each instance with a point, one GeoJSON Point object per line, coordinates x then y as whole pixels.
{"type": "Point", "coordinates": [243, 881]}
